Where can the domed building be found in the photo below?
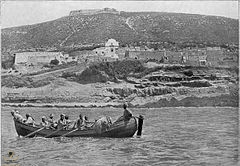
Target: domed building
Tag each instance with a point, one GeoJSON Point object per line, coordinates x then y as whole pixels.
{"type": "Point", "coordinates": [111, 43]}
{"type": "Point", "coordinates": [108, 53]}
{"type": "Point", "coordinates": [111, 46]}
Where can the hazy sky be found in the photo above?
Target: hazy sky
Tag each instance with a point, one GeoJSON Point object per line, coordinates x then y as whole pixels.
{"type": "Point", "coordinates": [15, 13]}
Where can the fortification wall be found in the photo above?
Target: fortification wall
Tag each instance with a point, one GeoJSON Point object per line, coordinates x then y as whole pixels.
{"type": "Point", "coordinates": [93, 11]}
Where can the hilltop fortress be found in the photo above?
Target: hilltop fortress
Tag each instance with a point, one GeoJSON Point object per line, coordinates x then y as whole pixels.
{"type": "Point", "coordinates": [93, 11]}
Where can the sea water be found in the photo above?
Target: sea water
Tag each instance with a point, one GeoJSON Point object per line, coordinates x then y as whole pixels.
{"type": "Point", "coordinates": [170, 137]}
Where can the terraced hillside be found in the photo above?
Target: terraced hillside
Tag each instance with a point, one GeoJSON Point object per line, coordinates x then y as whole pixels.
{"type": "Point", "coordinates": [126, 27]}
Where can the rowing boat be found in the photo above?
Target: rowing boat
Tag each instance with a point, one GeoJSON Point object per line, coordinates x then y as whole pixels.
{"type": "Point", "coordinates": [118, 129]}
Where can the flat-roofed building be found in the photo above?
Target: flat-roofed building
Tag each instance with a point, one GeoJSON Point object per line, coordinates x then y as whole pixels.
{"type": "Point", "coordinates": [41, 58]}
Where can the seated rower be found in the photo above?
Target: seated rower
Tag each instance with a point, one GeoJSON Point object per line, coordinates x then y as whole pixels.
{"type": "Point", "coordinates": [68, 123]}
{"type": "Point", "coordinates": [44, 122]}
{"type": "Point", "coordinates": [61, 122]}
{"type": "Point", "coordinates": [17, 116]}
{"type": "Point", "coordinates": [80, 123]}
{"type": "Point", "coordinates": [29, 120]}
{"type": "Point", "coordinates": [86, 122]}
{"type": "Point", "coordinates": [52, 123]}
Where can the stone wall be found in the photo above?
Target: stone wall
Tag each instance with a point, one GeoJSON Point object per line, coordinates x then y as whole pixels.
{"type": "Point", "coordinates": [174, 57]}
{"type": "Point", "coordinates": [146, 55]}
{"type": "Point", "coordinates": [36, 58]}
{"type": "Point", "coordinates": [93, 11]}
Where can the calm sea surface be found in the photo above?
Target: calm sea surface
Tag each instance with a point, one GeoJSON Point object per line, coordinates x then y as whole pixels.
{"type": "Point", "coordinates": [171, 136]}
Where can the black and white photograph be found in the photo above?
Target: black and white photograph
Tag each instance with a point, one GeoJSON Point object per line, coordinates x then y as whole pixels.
{"type": "Point", "coordinates": [119, 83]}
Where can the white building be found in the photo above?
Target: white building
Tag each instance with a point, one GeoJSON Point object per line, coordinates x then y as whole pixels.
{"type": "Point", "coordinates": [111, 43]}
{"type": "Point", "coordinates": [108, 53]}
{"type": "Point", "coordinates": [100, 51]}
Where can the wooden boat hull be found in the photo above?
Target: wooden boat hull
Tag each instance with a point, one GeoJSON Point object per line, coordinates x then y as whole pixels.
{"type": "Point", "coordinates": [116, 130]}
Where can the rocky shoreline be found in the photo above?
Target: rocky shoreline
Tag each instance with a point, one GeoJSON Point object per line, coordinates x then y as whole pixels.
{"type": "Point", "coordinates": [101, 86]}
{"type": "Point", "coordinates": [191, 101]}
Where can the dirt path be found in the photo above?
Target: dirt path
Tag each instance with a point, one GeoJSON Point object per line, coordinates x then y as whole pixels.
{"type": "Point", "coordinates": [129, 25]}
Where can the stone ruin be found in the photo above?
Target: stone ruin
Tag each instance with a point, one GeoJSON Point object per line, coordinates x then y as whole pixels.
{"type": "Point", "coordinates": [93, 11]}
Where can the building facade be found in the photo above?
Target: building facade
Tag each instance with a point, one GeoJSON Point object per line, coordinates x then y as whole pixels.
{"type": "Point", "coordinates": [109, 52]}
{"type": "Point", "coordinates": [146, 55]}
{"type": "Point", "coordinates": [41, 58]}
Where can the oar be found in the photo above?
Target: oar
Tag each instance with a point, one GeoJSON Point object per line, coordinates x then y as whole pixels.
{"type": "Point", "coordinates": [33, 132]}
{"type": "Point", "coordinates": [54, 132]}
{"type": "Point", "coordinates": [140, 124]}
{"type": "Point", "coordinates": [69, 132]}
{"type": "Point", "coordinates": [140, 117]}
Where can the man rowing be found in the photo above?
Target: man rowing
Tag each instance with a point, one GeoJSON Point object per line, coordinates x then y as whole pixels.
{"type": "Point", "coordinates": [44, 122]}
{"type": "Point", "coordinates": [29, 120]}
{"type": "Point", "coordinates": [17, 115]}
{"type": "Point", "coordinates": [61, 122]}
{"type": "Point", "coordinates": [80, 123]}
{"type": "Point", "coordinates": [69, 123]}
{"type": "Point", "coordinates": [52, 123]}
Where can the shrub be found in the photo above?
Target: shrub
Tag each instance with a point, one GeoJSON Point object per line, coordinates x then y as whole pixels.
{"type": "Point", "coordinates": [188, 73]}
{"type": "Point", "coordinates": [18, 82]}
{"type": "Point", "coordinates": [213, 77]}
{"type": "Point", "coordinates": [110, 71]}
{"type": "Point", "coordinates": [54, 62]}
{"type": "Point", "coordinates": [68, 74]}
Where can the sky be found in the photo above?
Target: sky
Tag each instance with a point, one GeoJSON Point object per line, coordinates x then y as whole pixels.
{"type": "Point", "coordinates": [16, 13]}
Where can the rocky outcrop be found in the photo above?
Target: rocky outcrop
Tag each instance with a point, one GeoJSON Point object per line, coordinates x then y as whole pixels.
{"type": "Point", "coordinates": [157, 91]}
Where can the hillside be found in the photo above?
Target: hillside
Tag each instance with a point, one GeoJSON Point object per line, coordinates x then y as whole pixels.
{"type": "Point", "coordinates": [126, 27]}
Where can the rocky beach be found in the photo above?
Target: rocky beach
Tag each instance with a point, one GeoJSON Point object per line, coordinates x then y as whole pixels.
{"type": "Point", "coordinates": [138, 83]}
